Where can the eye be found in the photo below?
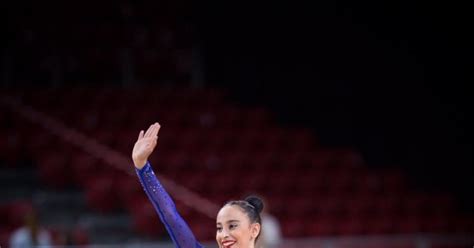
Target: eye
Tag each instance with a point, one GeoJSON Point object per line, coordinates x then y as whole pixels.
{"type": "Point", "coordinates": [232, 226]}
{"type": "Point", "coordinates": [219, 229]}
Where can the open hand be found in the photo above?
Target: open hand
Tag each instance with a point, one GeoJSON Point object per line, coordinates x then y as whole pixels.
{"type": "Point", "coordinates": [145, 145]}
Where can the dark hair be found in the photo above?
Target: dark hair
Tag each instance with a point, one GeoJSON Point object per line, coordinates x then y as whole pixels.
{"type": "Point", "coordinates": [252, 206]}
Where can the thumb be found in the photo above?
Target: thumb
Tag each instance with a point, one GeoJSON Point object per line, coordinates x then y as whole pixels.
{"type": "Point", "coordinates": [140, 135]}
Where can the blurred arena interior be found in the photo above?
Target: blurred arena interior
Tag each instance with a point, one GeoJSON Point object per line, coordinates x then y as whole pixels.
{"type": "Point", "coordinates": [350, 119]}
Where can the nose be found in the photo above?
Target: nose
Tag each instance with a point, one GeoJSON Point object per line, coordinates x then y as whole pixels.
{"type": "Point", "coordinates": [223, 234]}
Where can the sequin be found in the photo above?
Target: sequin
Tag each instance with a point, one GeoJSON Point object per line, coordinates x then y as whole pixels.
{"type": "Point", "coordinates": [177, 228]}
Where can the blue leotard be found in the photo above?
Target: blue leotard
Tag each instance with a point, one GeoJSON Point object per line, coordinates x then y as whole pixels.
{"type": "Point", "coordinates": [177, 228]}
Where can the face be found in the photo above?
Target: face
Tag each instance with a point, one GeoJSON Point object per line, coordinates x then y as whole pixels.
{"type": "Point", "coordinates": [234, 229]}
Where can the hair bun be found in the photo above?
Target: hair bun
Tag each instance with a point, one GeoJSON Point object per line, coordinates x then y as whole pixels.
{"type": "Point", "coordinates": [256, 202]}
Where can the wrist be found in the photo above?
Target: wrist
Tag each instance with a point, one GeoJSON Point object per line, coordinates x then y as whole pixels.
{"type": "Point", "coordinates": [139, 163]}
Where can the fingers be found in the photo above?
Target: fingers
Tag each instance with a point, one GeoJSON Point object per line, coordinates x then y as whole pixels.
{"type": "Point", "coordinates": [140, 135]}
{"type": "Point", "coordinates": [147, 133]}
{"type": "Point", "coordinates": [156, 130]}
{"type": "Point", "coordinates": [152, 130]}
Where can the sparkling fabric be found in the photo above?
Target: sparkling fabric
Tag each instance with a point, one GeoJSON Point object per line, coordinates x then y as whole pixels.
{"type": "Point", "coordinates": [177, 228]}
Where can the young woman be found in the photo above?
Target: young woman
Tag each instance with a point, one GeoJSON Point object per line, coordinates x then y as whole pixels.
{"type": "Point", "coordinates": [238, 223]}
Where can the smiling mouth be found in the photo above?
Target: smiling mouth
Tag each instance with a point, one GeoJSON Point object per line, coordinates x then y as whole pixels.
{"type": "Point", "coordinates": [228, 243]}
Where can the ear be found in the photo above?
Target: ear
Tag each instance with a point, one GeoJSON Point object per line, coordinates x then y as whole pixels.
{"type": "Point", "coordinates": [255, 230]}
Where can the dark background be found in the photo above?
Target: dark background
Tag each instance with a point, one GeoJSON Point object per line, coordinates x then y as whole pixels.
{"type": "Point", "coordinates": [387, 78]}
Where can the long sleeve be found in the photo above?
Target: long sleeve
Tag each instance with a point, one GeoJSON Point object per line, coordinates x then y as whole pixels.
{"type": "Point", "coordinates": [177, 228]}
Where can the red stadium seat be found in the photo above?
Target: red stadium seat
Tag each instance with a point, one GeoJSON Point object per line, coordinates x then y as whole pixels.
{"type": "Point", "coordinates": [351, 226]}
{"type": "Point", "coordinates": [146, 220]}
{"type": "Point", "coordinates": [127, 188]}
{"type": "Point", "coordinates": [53, 168]}
{"type": "Point", "coordinates": [204, 228]}
{"type": "Point", "coordinates": [380, 225]}
{"type": "Point", "coordinates": [299, 207]}
{"type": "Point", "coordinates": [84, 166]}
{"type": "Point", "coordinates": [387, 206]}
{"type": "Point", "coordinates": [322, 226]}
{"type": "Point", "coordinates": [408, 224]}
{"type": "Point", "coordinates": [100, 193]}
{"type": "Point", "coordinates": [359, 207]}
{"type": "Point", "coordinates": [293, 228]}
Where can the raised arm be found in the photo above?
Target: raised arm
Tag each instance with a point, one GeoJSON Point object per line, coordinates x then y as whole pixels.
{"type": "Point", "coordinates": [177, 228]}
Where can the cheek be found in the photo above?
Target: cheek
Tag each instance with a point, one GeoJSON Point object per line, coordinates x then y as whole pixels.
{"type": "Point", "coordinates": [238, 234]}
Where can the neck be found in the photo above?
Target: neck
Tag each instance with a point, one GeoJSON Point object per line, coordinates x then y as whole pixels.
{"type": "Point", "coordinates": [252, 244]}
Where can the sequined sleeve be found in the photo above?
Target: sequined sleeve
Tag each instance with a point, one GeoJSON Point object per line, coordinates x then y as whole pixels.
{"type": "Point", "coordinates": [177, 228]}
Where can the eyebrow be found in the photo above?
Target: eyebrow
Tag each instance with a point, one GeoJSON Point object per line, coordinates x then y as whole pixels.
{"type": "Point", "coordinates": [229, 221]}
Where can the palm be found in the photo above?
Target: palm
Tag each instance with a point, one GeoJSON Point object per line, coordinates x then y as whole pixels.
{"type": "Point", "coordinates": [145, 145]}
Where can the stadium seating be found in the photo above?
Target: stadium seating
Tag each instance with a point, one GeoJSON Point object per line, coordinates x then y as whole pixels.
{"type": "Point", "coordinates": [208, 143]}
{"type": "Point", "coordinates": [313, 190]}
